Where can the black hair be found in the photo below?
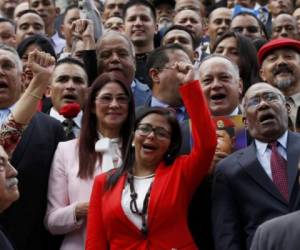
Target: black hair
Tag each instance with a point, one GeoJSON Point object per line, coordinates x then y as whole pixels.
{"type": "Point", "coordinates": [70, 7]}
{"type": "Point", "coordinates": [145, 3]}
{"type": "Point", "coordinates": [7, 20]}
{"type": "Point", "coordinates": [159, 57]}
{"type": "Point", "coordinates": [170, 155]}
{"type": "Point", "coordinates": [261, 25]}
{"type": "Point", "coordinates": [180, 27]}
{"type": "Point", "coordinates": [70, 60]}
{"type": "Point", "coordinates": [31, 11]}
{"type": "Point", "coordinates": [40, 40]}
{"type": "Point", "coordinates": [247, 56]}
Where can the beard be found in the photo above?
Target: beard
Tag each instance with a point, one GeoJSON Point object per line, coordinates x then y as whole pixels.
{"type": "Point", "coordinates": [284, 84]}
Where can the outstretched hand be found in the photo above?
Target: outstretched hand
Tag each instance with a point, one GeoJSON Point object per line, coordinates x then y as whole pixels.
{"type": "Point", "coordinates": [185, 72]}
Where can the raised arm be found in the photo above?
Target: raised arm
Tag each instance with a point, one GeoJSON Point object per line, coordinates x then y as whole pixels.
{"type": "Point", "coordinates": [10, 132]}
{"type": "Point", "coordinates": [196, 165]}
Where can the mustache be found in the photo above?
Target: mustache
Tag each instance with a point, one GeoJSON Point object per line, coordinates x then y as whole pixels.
{"type": "Point", "coordinates": [11, 182]}
{"type": "Point", "coordinates": [282, 68]}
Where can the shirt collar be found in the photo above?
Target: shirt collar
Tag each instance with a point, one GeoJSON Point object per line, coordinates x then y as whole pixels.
{"type": "Point", "coordinates": [53, 113]}
{"type": "Point", "coordinates": [157, 103]}
{"type": "Point", "coordinates": [296, 98]}
{"type": "Point", "coordinates": [262, 146]}
{"type": "Point", "coordinates": [235, 111]}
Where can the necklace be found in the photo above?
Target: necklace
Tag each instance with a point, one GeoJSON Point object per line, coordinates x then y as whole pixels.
{"type": "Point", "coordinates": [133, 205]}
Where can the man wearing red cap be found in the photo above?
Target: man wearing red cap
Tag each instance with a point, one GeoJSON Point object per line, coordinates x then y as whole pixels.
{"type": "Point", "coordinates": [280, 60]}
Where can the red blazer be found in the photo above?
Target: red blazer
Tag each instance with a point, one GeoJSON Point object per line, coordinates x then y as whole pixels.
{"type": "Point", "coordinates": [171, 192]}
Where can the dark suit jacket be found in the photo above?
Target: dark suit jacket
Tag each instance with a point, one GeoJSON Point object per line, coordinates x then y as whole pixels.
{"type": "Point", "coordinates": [244, 196]}
{"type": "Point", "coordinates": [4, 243]}
{"type": "Point", "coordinates": [23, 221]}
{"type": "Point", "coordinates": [282, 233]}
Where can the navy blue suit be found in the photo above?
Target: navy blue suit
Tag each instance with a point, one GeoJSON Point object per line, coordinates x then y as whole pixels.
{"type": "Point", "coordinates": [23, 220]}
{"type": "Point", "coordinates": [244, 196]}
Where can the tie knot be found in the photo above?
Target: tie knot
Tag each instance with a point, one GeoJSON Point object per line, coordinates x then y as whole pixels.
{"type": "Point", "coordinates": [68, 123]}
{"type": "Point", "coordinates": [273, 144]}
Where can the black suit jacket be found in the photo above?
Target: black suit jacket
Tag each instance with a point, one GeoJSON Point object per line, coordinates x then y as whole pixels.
{"type": "Point", "coordinates": [23, 221]}
{"type": "Point", "coordinates": [244, 196]}
{"type": "Point", "coordinates": [282, 233]}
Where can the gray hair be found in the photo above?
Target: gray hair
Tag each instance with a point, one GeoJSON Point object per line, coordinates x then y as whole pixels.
{"type": "Point", "coordinates": [234, 65]}
{"type": "Point", "coordinates": [115, 33]}
{"type": "Point", "coordinates": [15, 55]}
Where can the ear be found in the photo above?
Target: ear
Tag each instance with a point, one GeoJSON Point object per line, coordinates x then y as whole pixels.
{"type": "Point", "coordinates": [153, 73]}
{"type": "Point", "coordinates": [262, 74]}
{"type": "Point", "coordinates": [62, 30]}
{"type": "Point", "coordinates": [241, 87]}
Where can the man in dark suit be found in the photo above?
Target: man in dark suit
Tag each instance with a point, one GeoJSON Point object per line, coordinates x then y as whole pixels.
{"type": "Point", "coordinates": [278, 234]}
{"type": "Point", "coordinates": [23, 221]}
{"type": "Point", "coordinates": [259, 182]}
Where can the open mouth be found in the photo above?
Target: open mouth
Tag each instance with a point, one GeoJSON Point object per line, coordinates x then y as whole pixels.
{"type": "Point", "coordinates": [70, 98]}
{"type": "Point", "coordinates": [266, 118]}
{"type": "Point", "coordinates": [218, 97]}
{"type": "Point", "coordinates": [149, 147]}
{"type": "Point", "coordinates": [3, 85]}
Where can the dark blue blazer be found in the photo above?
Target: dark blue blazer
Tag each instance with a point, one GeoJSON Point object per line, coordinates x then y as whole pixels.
{"type": "Point", "coordinates": [244, 196]}
{"type": "Point", "coordinates": [23, 220]}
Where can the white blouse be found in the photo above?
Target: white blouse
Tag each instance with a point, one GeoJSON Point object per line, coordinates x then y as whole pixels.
{"type": "Point", "coordinates": [141, 186]}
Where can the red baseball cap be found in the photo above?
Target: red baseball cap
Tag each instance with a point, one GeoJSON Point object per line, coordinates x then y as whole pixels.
{"type": "Point", "coordinates": [278, 43]}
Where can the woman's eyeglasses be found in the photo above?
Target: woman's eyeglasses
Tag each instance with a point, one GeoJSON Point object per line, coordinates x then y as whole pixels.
{"type": "Point", "coordinates": [108, 99]}
{"type": "Point", "coordinates": [145, 129]}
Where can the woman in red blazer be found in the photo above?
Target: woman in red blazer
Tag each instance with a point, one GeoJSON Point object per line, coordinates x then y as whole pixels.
{"type": "Point", "coordinates": [144, 204]}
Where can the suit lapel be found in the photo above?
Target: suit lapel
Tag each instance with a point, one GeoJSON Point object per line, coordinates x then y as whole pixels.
{"type": "Point", "coordinates": [252, 166]}
{"type": "Point", "coordinates": [293, 145]}
{"type": "Point", "coordinates": [20, 149]}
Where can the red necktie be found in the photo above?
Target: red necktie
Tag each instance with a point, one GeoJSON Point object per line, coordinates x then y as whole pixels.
{"type": "Point", "coordinates": [279, 171]}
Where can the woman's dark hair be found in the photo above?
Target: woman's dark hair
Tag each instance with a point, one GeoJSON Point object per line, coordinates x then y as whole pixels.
{"type": "Point", "coordinates": [89, 130]}
{"type": "Point", "coordinates": [169, 156]}
{"type": "Point", "coordinates": [248, 63]}
{"type": "Point", "coordinates": [39, 40]}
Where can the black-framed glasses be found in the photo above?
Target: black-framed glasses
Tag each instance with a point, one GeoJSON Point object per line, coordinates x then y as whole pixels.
{"type": "Point", "coordinates": [250, 29]}
{"type": "Point", "coordinates": [268, 97]}
{"type": "Point", "coordinates": [108, 99]}
{"type": "Point", "coordinates": [145, 129]}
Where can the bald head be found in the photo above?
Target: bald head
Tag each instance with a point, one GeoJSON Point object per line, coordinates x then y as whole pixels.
{"type": "Point", "coordinates": [285, 25]}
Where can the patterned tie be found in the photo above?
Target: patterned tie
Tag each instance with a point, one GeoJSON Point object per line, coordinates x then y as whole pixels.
{"type": "Point", "coordinates": [68, 125]}
{"type": "Point", "coordinates": [279, 171]}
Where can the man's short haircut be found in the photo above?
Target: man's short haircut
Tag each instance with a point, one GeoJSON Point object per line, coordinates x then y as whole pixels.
{"type": "Point", "coordinates": [7, 20]}
{"type": "Point", "coordinates": [15, 55]}
{"type": "Point", "coordinates": [261, 25]}
{"type": "Point", "coordinates": [70, 60]}
{"type": "Point", "coordinates": [31, 11]}
{"type": "Point", "coordinates": [71, 7]}
{"type": "Point", "coordinates": [115, 33]}
{"type": "Point", "coordinates": [159, 57]}
{"type": "Point", "coordinates": [180, 27]}
{"type": "Point", "coordinates": [145, 3]}
{"type": "Point", "coordinates": [235, 66]}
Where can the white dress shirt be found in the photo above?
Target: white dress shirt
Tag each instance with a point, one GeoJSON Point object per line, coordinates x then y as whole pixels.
{"type": "Point", "coordinates": [76, 129]}
{"type": "Point", "coordinates": [263, 153]}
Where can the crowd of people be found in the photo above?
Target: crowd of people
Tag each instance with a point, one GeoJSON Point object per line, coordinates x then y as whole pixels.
{"type": "Point", "coordinates": [116, 124]}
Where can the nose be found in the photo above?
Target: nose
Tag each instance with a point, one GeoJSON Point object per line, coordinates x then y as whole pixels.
{"type": "Point", "coordinates": [283, 32]}
{"type": "Point", "coordinates": [70, 84]}
{"type": "Point", "coordinates": [115, 57]}
{"type": "Point", "coordinates": [114, 103]}
{"type": "Point", "coordinates": [216, 84]}
{"type": "Point", "coordinates": [138, 21]}
{"type": "Point", "coordinates": [10, 171]}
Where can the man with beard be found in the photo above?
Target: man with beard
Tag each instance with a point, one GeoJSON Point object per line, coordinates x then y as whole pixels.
{"type": "Point", "coordinates": [280, 60]}
{"type": "Point", "coordinates": [259, 182]}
